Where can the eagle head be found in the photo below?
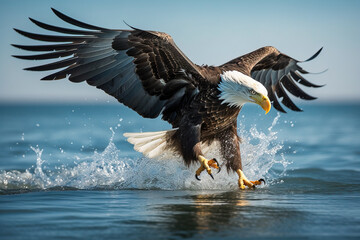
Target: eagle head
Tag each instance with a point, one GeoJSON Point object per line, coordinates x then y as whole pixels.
{"type": "Point", "coordinates": [237, 88]}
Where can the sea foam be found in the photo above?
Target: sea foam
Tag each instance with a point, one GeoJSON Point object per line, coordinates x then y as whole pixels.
{"type": "Point", "coordinates": [110, 170]}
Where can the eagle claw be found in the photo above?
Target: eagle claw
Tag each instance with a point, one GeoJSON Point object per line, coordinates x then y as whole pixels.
{"type": "Point", "coordinates": [211, 176]}
{"type": "Point", "coordinates": [218, 165]}
{"type": "Point", "coordinates": [205, 165]}
{"type": "Point", "coordinates": [197, 178]}
{"type": "Point", "coordinates": [243, 181]}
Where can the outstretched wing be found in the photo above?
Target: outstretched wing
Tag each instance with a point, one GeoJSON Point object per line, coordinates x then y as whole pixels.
{"type": "Point", "coordinates": [144, 70]}
{"type": "Point", "coordinates": [279, 72]}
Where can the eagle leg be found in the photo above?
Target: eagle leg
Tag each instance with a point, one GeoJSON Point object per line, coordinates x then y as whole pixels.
{"type": "Point", "coordinates": [205, 165]}
{"type": "Point", "coordinates": [243, 181]}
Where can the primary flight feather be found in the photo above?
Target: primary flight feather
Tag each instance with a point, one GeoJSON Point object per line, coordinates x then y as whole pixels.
{"type": "Point", "coordinates": [147, 72]}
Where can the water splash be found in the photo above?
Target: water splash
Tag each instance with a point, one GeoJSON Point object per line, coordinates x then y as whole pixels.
{"type": "Point", "coordinates": [262, 158]}
{"type": "Point", "coordinates": [111, 170]}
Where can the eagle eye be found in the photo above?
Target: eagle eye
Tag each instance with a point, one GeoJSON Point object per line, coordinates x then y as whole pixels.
{"type": "Point", "coordinates": [252, 92]}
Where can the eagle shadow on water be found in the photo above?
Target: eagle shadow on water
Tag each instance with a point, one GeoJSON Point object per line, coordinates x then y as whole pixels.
{"type": "Point", "coordinates": [148, 73]}
{"type": "Point", "coordinates": [217, 213]}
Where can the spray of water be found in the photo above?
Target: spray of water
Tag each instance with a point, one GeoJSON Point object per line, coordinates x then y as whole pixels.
{"type": "Point", "coordinates": [110, 170]}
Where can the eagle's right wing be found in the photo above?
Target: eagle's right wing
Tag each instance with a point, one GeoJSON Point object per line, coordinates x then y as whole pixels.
{"type": "Point", "coordinates": [144, 70]}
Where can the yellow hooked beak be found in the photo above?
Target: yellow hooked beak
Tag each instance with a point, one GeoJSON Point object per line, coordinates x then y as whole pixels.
{"type": "Point", "coordinates": [263, 101]}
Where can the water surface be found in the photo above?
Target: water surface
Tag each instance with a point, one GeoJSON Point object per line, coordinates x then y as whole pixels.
{"type": "Point", "coordinates": [66, 172]}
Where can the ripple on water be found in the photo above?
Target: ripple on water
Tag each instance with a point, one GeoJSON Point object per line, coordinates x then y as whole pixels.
{"type": "Point", "coordinates": [111, 170]}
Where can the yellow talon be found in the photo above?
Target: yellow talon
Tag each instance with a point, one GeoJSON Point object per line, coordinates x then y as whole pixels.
{"type": "Point", "coordinates": [214, 164]}
{"type": "Point", "coordinates": [199, 171]}
{"type": "Point", "coordinates": [258, 182]}
{"type": "Point", "coordinates": [205, 165]}
{"type": "Point", "coordinates": [243, 181]}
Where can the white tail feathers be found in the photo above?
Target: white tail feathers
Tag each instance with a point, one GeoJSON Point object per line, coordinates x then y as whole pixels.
{"type": "Point", "coordinates": [151, 144]}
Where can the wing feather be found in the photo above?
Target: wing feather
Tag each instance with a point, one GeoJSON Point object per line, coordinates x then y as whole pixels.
{"type": "Point", "coordinates": [134, 65]}
{"type": "Point", "coordinates": [54, 65]}
{"type": "Point", "coordinates": [52, 38]}
{"type": "Point", "coordinates": [277, 72]}
{"type": "Point", "coordinates": [300, 79]}
{"type": "Point", "coordinates": [291, 86]}
{"type": "Point", "coordinates": [75, 22]}
{"type": "Point", "coordinates": [281, 93]}
{"type": "Point", "coordinates": [45, 48]}
{"type": "Point", "coordinates": [62, 53]}
{"type": "Point", "coordinates": [60, 29]}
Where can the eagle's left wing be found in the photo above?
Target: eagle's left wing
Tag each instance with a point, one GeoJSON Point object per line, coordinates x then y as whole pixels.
{"type": "Point", "coordinates": [278, 72]}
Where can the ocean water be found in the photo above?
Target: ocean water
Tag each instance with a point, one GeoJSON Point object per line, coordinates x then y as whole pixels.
{"type": "Point", "coordinates": [67, 172]}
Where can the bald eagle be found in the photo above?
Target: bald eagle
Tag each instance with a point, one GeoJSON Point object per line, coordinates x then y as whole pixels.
{"type": "Point", "coordinates": [148, 73]}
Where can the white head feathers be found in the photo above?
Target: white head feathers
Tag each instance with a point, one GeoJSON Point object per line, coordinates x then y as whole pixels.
{"type": "Point", "coordinates": [236, 88]}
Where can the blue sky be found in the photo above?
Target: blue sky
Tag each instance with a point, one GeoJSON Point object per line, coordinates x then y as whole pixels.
{"type": "Point", "coordinates": [208, 32]}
